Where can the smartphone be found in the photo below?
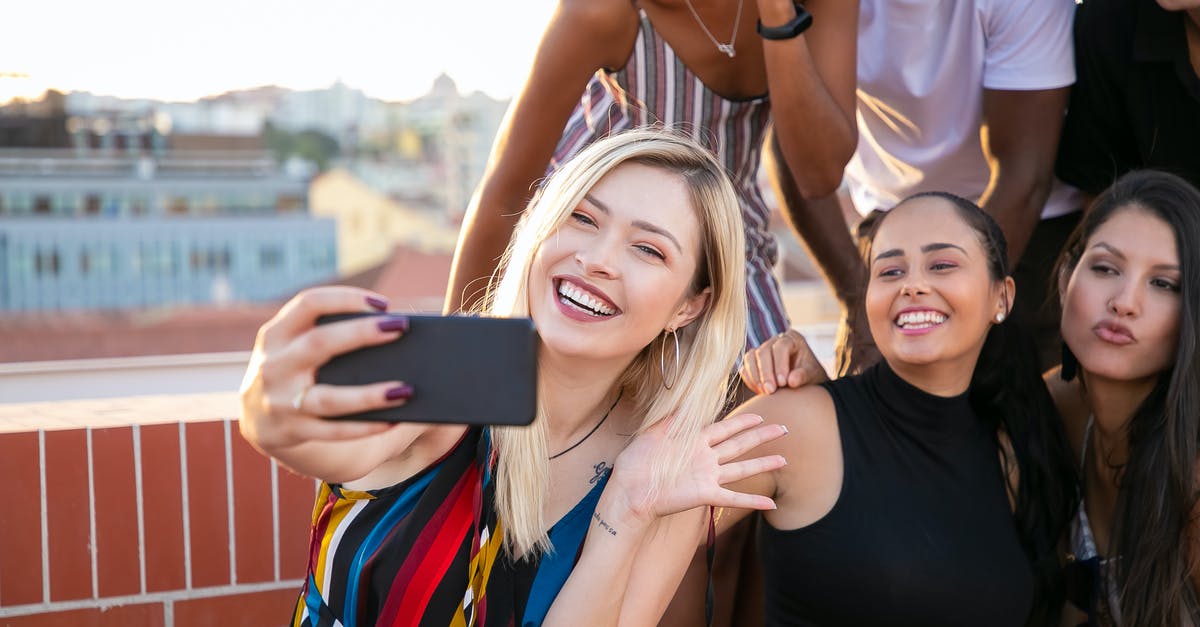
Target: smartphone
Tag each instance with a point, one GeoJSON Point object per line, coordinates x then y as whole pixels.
{"type": "Point", "coordinates": [464, 370]}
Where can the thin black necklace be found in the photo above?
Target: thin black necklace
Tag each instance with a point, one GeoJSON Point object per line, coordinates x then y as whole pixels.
{"type": "Point", "coordinates": [589, 433]}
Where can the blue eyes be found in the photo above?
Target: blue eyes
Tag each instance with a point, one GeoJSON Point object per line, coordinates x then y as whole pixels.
{"type": "Point", "coordinates": [650, 251]}
{"type": "Point", "coordinates": [644, 249]}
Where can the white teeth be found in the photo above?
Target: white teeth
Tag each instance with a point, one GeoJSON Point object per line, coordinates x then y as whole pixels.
{"type": "Point", "coordinates": [920, 319]}
{"type": "Point", "coordinates": [571, 292]}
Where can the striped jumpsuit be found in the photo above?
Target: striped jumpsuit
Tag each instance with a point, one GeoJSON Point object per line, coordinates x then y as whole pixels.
{"type": "Point", "coordinates": [655, 87]}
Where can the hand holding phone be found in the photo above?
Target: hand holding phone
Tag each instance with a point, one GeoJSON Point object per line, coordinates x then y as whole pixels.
{"type": "Point", "coordinates": [463, 370]}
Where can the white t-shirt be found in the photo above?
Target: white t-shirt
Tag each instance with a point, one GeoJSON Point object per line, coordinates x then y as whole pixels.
{"type": "Point", "coordinates": [922, 69]}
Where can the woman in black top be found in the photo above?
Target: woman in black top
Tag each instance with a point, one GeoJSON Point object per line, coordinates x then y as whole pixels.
{"type": "Point", "coordinates": [932, 488]}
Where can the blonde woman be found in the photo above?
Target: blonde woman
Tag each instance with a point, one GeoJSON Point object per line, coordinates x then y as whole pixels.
{"type": "Point", "coordinates": [630, 263]}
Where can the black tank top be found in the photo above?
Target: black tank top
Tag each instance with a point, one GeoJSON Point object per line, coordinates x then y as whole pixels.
{"type": "Point", "coordinates": [921, 533]}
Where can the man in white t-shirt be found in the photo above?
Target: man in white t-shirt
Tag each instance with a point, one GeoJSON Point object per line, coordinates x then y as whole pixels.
{"type": "Point", "coordinates": [958, 96]}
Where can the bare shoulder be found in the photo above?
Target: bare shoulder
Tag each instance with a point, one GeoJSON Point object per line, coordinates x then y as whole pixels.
{"type": "Point", "coordinates": [807, 412]}
{"type": "Point", "coordinates": [806, 489]}
{"type": "Point", "coordinates": [602, 17]}
{"type": "Point", "coordinates": [587, 34]}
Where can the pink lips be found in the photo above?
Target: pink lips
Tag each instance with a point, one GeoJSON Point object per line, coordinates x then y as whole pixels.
{"type": "Point", "coordinates": [1114, 333]}
{"type": "Point", "coordinates": [916, 331]}
{"type": "Point", "coordinates": [573, 312]}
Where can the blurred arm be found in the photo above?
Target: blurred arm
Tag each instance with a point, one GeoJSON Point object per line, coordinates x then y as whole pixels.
{"type": "Point", "coordinates": [576, 43]}
{"type": "Point", "coordinates": [1020, 139]}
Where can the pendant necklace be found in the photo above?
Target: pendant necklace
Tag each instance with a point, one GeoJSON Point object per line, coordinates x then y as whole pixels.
{"type": "Point", "coordinates": [726, 48]}
{"type": "Point", "coordinates": [589, 433]}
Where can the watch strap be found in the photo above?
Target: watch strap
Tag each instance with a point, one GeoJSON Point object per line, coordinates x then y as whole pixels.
{"type": "Point", "coordinates": [792, 28]}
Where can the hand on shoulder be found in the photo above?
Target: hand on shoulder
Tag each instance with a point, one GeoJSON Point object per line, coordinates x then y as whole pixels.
{"type": "Point", "coordinates": [800, 410]}
{"type": "Point", "coordinates": [782, 361]}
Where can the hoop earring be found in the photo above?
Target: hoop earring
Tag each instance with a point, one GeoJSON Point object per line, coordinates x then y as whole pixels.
{"type": "Point", "coordinates": [662, 360]}
{"type": "Point", "coordinates": [1070, 365]}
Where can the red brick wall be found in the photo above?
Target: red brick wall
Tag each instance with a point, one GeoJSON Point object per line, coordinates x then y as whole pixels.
{"type": "Point", "coordinates": [171, 525]}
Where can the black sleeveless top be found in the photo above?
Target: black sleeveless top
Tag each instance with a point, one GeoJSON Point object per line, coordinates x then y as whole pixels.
{"type": "Point", "coordinates": [921, 533]}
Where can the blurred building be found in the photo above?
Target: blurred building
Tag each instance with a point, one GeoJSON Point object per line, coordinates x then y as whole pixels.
{"type": "Point", "coordinates": [118, 212]}
{"type": "Point", "coordinates": [454, 133]}
{"type": "Point", "coordinates": [370, 225]}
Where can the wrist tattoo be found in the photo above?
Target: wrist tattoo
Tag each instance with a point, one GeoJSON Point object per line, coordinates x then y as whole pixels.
{"type": "Point", "coordinates": [601, 469]}
{"type": "Point", "coordinates": [603, 524]}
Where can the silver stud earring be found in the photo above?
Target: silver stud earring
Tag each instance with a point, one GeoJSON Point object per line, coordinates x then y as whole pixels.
{"type": "Point", "coordinates": [999, 318]}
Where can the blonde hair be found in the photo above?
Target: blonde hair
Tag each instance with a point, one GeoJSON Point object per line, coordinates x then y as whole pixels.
{"type": "Point", "coordinates": [708, 347]}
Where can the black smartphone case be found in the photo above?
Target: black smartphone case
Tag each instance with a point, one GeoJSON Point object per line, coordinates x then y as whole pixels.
{"type": "Point", "coordinates": [464, 370]}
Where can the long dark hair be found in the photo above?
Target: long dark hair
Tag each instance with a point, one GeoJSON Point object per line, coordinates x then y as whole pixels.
{"type": "Point", "coordinates": [1157, 488]}
{"type": "Point", "coordinates": [1007, 391]}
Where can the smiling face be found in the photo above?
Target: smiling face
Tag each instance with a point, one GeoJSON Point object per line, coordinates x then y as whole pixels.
{"type": "Point", "coordinates": [1121, 302]}
{"type": "Point", "coordinates": [931, 298]}
{"type": "Point", "coordinates": [620, 269]}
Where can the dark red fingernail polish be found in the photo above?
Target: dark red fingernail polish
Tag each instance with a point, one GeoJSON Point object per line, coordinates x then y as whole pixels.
{"type": "Point", "coordinates": [401, 392]}
{"type": "Point", "coordinates": [377, 303]}
{"type": "Point", "coordinates": [394, 323]}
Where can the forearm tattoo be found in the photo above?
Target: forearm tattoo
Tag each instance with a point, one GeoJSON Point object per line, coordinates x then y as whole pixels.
{"type": "Point", "coordinates": [604, 524]}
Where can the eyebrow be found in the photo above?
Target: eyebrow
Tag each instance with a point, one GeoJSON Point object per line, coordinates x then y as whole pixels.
{"type": "Point", "coordinates": [639, 224]}
{"type": "Point", "coordinates": [1120, 255]}
{"type": "Point", "coordinates": [896, 252]}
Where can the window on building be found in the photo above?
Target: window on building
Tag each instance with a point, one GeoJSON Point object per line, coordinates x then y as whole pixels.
{"type": "Point", "coordinates": [207, 204]}
{"type": "Point", "coordinates": [178, 205]}
{"type": "Point", "coordinates": [102, 260]}
{"type": "Point", "coordinates": [17, 203]}
{"type": "Point", "coordinates": [270, 257]}
{"type": "Point", "coordinates": [209, 259]}
{"type": "Point", "coordinates": [317, 256]}
{"type": "Point", "coordinates": [286, 202]}
{"type": "Point", "coordinates": [67, 204]}
{"type": "Point", "coordinates": [156, 260]}
{"type": "Point", "coordinates": [22, 262]}
{"type": "Point", "coordinates": [46, 263]}
{"type": "Point", "coordinates": [91, 205]}
{"type": "Point", "coordinates": [41, 205]}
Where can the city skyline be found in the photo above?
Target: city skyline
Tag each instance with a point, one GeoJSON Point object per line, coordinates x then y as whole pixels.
{"type": "Point", "coordinates": [392, 51]}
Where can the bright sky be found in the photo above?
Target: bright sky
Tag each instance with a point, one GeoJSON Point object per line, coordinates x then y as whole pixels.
{"type": "Point", "coordinates": [185, 49]}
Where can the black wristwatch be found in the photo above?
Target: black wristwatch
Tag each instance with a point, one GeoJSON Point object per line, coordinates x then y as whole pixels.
{"type": "Point", "coordinates": [794, 27]}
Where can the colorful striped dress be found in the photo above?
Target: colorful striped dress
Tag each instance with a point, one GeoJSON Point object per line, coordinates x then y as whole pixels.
{"type": "Point", "coordinates": [427, 552]}
{"type": "Point", "coordinates": [655, 87]}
